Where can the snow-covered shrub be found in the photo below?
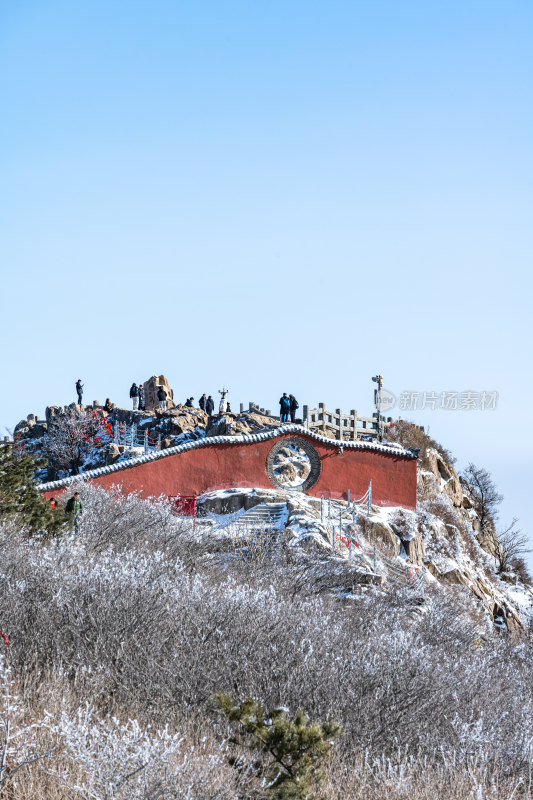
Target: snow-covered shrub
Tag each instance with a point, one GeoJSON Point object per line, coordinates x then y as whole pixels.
{"type": "Point", "coordinates": [112, 520]}
{"type": "Point", "coordinates": [410, 435]}
{"type": "Point", "coordinates": [142, 631]}
{"type": "Point", "coordinates": [19, 747]}
{"type": "Point", "coordinates": [442, 507]}
{"type": "Point", "coordinates": [404, 523]}
{"type": "Point", "coordinates": [126, 761]}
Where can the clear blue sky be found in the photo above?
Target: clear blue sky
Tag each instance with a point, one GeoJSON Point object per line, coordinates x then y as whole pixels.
{"type": "Point", "coordinates": [277, 197]}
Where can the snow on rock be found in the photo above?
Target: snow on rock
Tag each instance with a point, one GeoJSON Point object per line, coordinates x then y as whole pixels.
{"type": "Point", "coordinates": [392, 547]}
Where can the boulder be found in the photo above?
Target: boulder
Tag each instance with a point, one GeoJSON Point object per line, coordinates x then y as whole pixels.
{"type": "Point", "coordinates": [181, 419]}
{"type": "Point", "coordinates": [151, 387]}
{"type": "Point", "coordinates": [488, 540]}
{"type": "Point", "coordinates": [21, 432]}
{"type": "Point", "coordinates": [235, 499]}
{"type": "Point", "coordinates": [30, 428]}
{"type": "Point", "coordinates": [416, 550]}
{"type": "Point", "coordinates": [454, 491]}
{"type": "Point", "coordinates": [230, 424]}
{"type": "Point", "coordinates": [51, 412]}
{"type": "Point", "coordinates": [379, 531]}
{"type": "Point", "coordinates": [112, 453]}
{"type": "Point", "coordinates": [37, 430]}
{"type": "Point", "coordinates": [427, 483]}
{"type": "Point", "coordinates": [442, 471]}
{"type": "Point", "coordinates": [437, 465]}
{"type": "Point", "coordinates": [467, 503]}
{"type": "Point", "coordinates": [77, 408]}
{"type": "Point", "coordinates": [130, 417]}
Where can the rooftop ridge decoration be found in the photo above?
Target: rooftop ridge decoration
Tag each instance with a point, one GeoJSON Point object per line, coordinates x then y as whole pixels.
{"type": "Point", "coordinates": [239, 439]}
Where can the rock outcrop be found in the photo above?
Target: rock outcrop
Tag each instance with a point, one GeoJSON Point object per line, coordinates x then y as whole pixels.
{"type": "Point", "coordinates": [151, 387]}
{"type": "Point", "coordinates": [231, 424]}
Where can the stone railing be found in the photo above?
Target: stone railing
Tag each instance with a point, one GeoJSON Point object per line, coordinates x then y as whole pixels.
{"type": "Point", "coordinates": [345, 427]}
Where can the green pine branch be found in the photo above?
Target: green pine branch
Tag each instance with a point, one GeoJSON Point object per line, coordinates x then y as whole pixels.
{"type": "Point", "coordinates": [19, 497]}
{"type": "Point", "coordinates": [296, 747]}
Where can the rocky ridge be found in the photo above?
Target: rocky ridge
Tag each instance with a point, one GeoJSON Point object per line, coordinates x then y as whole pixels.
{"type": "Point", "coordinates": [177, 424]}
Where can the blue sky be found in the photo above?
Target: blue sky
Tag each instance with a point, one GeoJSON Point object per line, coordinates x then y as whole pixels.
{"type": "Point", "coordinates": [277, 197]}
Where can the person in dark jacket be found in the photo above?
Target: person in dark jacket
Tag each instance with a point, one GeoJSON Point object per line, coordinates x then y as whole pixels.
{"type": "Point", "coordinates": [108, 406]}
{"type": "Point", "coordinates": [294, 405]}
{"type": "Point", "coordinates": [134, 394]}
{"type": "Point", "coordinates": [79, 390]}
{"type": "Point", "coordinates": [189, 402]}
{"type": "Point", "coordinates": [74, 510]}
{"type": "Point", "coordinates": [284, 408]}
{"type": "Point", "coordinates": [209, 406]}
{"type": "Point", "coordinates": [142, 398]}
{"type": "Point", "coordinates": [202, 401]}
{"type": "Point", "coordinates": [162, 397]}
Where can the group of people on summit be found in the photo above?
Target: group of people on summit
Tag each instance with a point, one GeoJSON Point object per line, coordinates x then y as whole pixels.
{"type": "Point", "coordinates": [288, 404]}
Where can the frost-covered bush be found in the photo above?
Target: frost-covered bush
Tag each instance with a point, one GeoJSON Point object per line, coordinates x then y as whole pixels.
{"type": "Point", "coordinates": [442, 507]}
{"type": "Point", "coordinates": [125, 761]}
{"type": "Point", "coordinates": [404, 523]}
{"type": "Point", "coordinates": [455, 539]}
{"type": "Point", "coordinates": [19, 746]}
{"type": "Point", "coordinates": [140, 628]}
{"type": "Point", "coordinates": [410, 435]}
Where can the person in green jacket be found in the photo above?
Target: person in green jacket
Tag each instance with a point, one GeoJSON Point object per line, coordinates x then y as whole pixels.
{"type": "Point", "coordinates": [74, 510]}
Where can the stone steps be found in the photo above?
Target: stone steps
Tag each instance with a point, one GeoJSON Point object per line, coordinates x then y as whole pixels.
{"type": "Point", "coordinates": [266, 515]}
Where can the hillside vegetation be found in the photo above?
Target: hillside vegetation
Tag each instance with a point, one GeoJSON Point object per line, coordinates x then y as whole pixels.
{"type": "Point", "coordinates": [122, 637]}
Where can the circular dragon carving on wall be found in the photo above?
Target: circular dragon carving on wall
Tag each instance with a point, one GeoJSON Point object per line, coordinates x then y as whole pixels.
{"type": "Point", "coordinates": [293, 464]}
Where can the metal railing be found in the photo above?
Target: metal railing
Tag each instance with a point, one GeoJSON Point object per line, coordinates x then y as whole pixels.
{"type": "Point", "coordinates": [399, 573]}
{"type": "Point", "coordinates": [132, 436]}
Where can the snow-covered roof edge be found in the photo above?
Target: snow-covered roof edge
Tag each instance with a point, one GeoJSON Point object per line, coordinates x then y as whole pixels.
{"type": "Point", "coordinates": [240, 439]}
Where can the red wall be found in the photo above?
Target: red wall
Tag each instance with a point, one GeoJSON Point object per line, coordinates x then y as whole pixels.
{"type": "Point", "coordinates": [222, 466]}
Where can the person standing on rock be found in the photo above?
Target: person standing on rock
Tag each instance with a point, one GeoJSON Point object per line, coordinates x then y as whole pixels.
{"type": "Point", "coordinates": [134, 394]}
{"type": "Point", "coordinates": [108, 406]}
{"type": "Point", "coordinates": [202, 401]}
{"type": "Point", "coordinates": [284, 408]}
{"type": "Point", "coordinates": [142, 398]}
{"type": "Point", "coordinates": [162, 397]}
{"type": "Point", "coordinates": [74, 510]}
{"type": "Point", "coordinates": [79, 390]}
{"type": "Point", "coordinates": [209, 406]}
{"type": "Point", "coordinates": [294, 405]}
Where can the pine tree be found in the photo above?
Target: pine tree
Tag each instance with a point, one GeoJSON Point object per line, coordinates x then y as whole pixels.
{"type": "Point", "coordinates": [296, 747]}
{"type": "Point", "coordinates": [19, 498]}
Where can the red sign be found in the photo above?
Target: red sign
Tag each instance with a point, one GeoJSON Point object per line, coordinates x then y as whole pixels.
{"type": "Point", "coordinates": [184, 504]}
